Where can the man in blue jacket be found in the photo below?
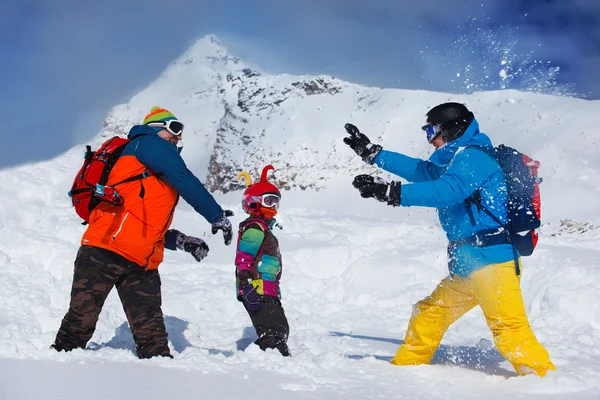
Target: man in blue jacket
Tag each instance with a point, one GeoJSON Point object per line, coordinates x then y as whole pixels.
{"type": "Point", "coordinates": [483, 272]}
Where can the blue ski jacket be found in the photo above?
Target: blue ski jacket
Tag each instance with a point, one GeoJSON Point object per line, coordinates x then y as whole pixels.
{"type": "Point", "coordinates": [163, 159]}
{"type": "Point", "coordinates": [452, 174]}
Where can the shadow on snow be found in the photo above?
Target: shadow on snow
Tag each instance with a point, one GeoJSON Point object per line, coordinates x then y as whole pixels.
{"type": "Point", "coordinates": [123, 338]}
{"type": "Point", "coordinates": [470, 357]}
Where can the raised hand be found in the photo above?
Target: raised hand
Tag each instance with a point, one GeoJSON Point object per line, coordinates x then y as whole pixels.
{"type": "Point", "coordinates": [360, 143]}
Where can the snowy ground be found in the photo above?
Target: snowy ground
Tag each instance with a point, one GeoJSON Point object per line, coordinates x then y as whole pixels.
{"type": "Point", "coordinates": [352, 270]}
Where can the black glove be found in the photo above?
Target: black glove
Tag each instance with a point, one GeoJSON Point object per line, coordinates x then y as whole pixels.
{"type": "Point", "coordinates": [225, 225]}
{"type": "Point", "coordinates": [190, 244]}
{"type": "Point", "coordinates": [250, 296]}
{"type": "Point", "coordinates": [370, 186]}
{"type": "Point", "coordinates": [360, 143]}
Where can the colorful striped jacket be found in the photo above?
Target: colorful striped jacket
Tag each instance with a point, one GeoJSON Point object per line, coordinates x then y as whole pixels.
{"type": "Point", "coordinates": [258, 256]}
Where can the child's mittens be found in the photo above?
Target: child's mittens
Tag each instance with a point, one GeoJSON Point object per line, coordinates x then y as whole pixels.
{"type": "Point", "coordinates": [250, 296]}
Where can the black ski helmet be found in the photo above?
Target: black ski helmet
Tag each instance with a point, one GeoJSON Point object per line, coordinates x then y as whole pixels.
{"type": "Point", "coordinates": [453, 119]}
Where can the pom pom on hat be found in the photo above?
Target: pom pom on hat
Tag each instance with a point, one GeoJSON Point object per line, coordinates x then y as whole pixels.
{"type": "Point", "coordinates": [158, 114]}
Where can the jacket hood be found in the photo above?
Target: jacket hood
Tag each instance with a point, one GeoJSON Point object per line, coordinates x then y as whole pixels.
{"type": "Point", "coordinates": [140, 130]}
{"type": "Point", "coordinates": [471, 137]}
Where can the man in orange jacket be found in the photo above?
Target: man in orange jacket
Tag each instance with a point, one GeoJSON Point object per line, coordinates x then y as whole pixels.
{"type": "Point", "coordinates": [123, 245]}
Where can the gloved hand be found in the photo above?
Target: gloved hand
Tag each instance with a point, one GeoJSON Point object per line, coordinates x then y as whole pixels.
{"type": "Point", "coordinates": [225, 225]}
{"type": "Point", "coordinates": [190, 244]}
{"type": "Point", "coordinates": [360, 143]}
{"type": "Point", "coordinates": [250, 296]}
{"type": "Point", "coordinates": [370, 186]}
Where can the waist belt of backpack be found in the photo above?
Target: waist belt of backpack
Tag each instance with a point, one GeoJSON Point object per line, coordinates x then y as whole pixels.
{"type": "Point", "coordinates": [491, 237]}
{"type": "Point", "coordinates": [485, 238]}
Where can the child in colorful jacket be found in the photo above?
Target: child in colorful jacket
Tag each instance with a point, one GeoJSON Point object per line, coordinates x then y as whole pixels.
{"type": "Point", "coordinates": [258, 264]}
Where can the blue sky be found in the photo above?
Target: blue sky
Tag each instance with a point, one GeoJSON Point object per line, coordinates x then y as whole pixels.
{"type": "Point", "coordinates": [65, 63]}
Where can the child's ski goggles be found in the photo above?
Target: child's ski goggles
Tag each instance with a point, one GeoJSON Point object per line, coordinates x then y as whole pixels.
{"type": "Point", "coordinates": [173, 126]}
{"type": "Point", "coordinates": [431, 131]}
{"type": "Point", "coordinates": [269, 200]}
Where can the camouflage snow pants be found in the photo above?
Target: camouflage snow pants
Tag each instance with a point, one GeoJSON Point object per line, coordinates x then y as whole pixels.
{"type": "Point", "coordinates": [96, 272]}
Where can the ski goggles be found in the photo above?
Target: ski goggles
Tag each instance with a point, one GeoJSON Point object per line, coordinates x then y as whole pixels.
{"type": "Point", "coordinates": [431, 131]}
{"type": "Point", "coordinates": [172, 126]}
{"type": "Point", "coordinates": [269, 200]}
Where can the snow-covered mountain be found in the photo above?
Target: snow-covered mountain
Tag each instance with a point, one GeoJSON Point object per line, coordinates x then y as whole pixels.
{"type": "Point", "coordinates": [352, 267]}
{"type": "Point", "coordinates": [241, 118]}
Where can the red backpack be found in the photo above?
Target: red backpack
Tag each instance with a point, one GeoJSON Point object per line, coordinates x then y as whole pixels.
{"type": "Point", "coordinates": [89, 187]}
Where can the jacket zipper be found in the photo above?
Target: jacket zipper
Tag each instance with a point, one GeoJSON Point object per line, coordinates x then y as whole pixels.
{"type": "Point", "coordinates": [120, 226]}
{"type": "Point", "coordinates": [163, 230]}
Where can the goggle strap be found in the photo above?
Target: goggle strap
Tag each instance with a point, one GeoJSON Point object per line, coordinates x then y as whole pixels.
{"type": "Point", "coordinates": [167, 126]}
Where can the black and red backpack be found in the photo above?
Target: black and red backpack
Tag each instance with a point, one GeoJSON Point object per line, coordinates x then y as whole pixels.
{"type": "Point", "coordinates": [89, 187]}
{"type": "Point", "coordinates": [524, 202]}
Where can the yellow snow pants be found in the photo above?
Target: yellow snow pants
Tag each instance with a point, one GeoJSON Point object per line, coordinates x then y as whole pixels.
{"type": "Point", "coordinates": [496, 289]}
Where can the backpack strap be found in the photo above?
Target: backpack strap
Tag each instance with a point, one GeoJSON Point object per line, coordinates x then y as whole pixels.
{"type": "Point", "coordinates": [475, 198]}
{"type": "Point", "coordinates": [489, 237]}
{"type": "Point", "coordinates": [258, 221]}
{"type": "Point", "coordinates": [147, 173]}
{"type": "Point", "coordinates": [143, 175]}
